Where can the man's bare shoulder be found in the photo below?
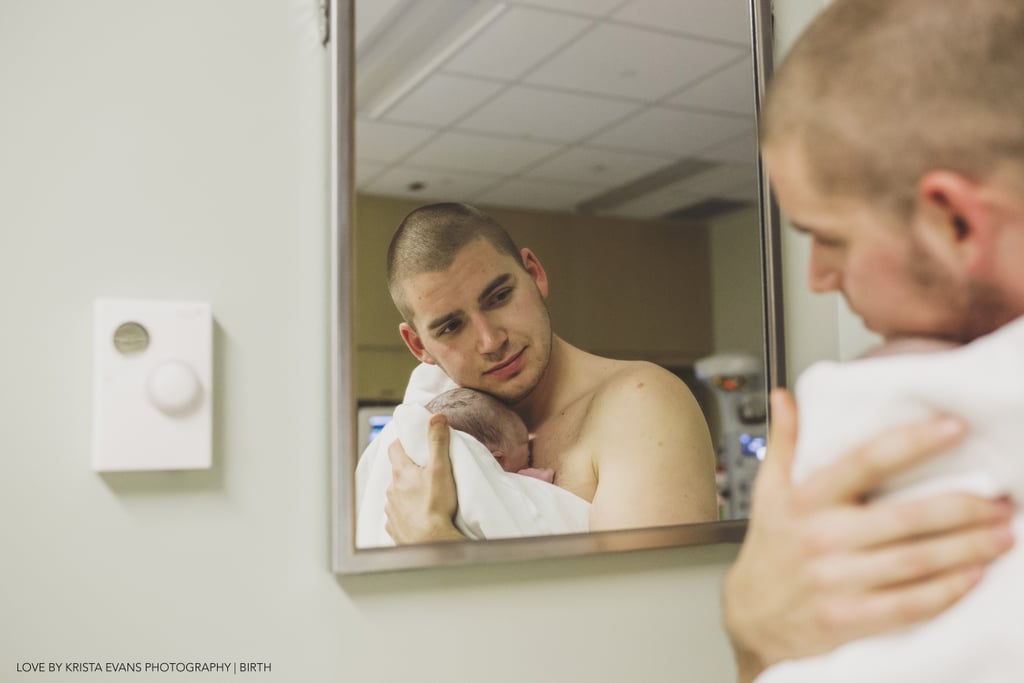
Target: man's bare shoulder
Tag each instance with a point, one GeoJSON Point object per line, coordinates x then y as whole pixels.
{"type": "Point", "coordinates": [650, 449]}
{"type": "Point", "coordinates": [632, 381]}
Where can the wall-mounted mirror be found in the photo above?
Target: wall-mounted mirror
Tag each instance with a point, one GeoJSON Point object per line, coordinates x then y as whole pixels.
{"type": "Point", "coordinates": [616, 140]}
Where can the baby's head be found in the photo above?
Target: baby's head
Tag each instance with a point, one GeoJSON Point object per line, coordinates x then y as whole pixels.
{"type": "Point", "coordinates": [901, 345]}
{"type": "Point", "coordinates": [489, 421]}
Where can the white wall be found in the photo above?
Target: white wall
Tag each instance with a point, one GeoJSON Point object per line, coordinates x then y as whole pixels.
{"type": "Point", "coordinates": [737, 313]}
{"type": "Point", "coordinates": [177, 150]}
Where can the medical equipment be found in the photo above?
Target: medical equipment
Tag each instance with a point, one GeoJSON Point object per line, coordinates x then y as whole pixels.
{"type": "Point", "coordinates": [736, 382]}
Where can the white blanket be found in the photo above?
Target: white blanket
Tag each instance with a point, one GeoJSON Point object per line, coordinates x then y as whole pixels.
{"type": "Point", "coordinates": [492, 503]}
{"type": "Point", "coordinates": [842, 405]}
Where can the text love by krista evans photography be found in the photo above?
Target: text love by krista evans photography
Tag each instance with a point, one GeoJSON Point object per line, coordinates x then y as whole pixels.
{"type": "Point", "coordinates": [87, 667]}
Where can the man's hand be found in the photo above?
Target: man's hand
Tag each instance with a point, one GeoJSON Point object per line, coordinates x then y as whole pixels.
{"type": "Point", "coordinates": [421, 501]}
{"type": "Point", "coordinates": [820, 567]}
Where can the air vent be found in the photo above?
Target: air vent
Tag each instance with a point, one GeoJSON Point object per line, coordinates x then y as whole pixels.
{"type": "Point", "coordinates": [709, 209]}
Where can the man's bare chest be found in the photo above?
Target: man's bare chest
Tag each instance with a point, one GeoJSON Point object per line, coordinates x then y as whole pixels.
{"type": "Point", "coordinates": [560, 444]}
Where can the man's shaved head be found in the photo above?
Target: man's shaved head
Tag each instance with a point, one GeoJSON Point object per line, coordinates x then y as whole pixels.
{"type": "Point", "coordinates": [429, 238]}
{"type": "Point", "coordinates": [879, 92]}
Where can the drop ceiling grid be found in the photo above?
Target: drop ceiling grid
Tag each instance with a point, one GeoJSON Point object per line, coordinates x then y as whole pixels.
{"type": "Point", "coordinates": [478, 111]}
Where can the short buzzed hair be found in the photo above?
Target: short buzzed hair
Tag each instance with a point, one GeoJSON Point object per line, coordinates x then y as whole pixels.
{"type": "Point", "coordinates": [428, 239]}
{"type": "Point", "coordinates": [879, 92]}
{"type": "Point", "coordinates": [480, 415]}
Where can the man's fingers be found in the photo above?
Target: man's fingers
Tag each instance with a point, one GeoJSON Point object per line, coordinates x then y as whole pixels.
{"type": "Point", "coordinates": [782, 438]}
{"type": "Point", "coordinates": [438, 439]}
{"type": "Point", "coordinates": [898, 521]}
{"type": "Point", "coordinates": [774, 475]}
{"type": "Point", "coordinates": [896, 565]}
{"type": "Point", "coordinates": [874, 613]}
{"type": "Point", "coordinates": [398, 457]}
{"type": "Point", "coordinates": [858, 473]}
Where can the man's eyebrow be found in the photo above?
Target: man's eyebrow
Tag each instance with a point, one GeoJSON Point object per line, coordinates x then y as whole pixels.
{"type": "Point", "coordinates": [443, 320]}
{"type": "Point", "coordinates": [493, 285]}
{"type": "Point", "coordinates": [799, 227]}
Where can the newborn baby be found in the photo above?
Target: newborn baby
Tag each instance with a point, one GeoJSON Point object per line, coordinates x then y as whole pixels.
{"type": "Point", "coordinates": [493, 424]}
{"type": "Point", "coordinates": [842, 405]}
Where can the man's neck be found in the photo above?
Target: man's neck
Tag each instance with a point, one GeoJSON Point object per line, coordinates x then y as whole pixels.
{"type": "Point", "coordinates": [552, 387]}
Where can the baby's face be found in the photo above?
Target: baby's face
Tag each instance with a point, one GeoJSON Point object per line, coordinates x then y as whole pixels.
{"type": "Point", "coordinates": [517, 456]}
{"type": "Point", "coordinates": [517, 459]}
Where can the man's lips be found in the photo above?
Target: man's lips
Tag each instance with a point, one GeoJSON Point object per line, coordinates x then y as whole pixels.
{"type": "Point", "coordinates": [507, 366]}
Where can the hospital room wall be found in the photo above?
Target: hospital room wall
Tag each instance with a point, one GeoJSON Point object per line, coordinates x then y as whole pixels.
{"type": "Point", "coordinates": [736, 284]}
{"type": "Point", "coordinates": [178, 150]}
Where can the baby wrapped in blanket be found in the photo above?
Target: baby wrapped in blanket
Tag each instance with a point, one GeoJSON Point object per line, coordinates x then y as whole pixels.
{"type": "Point", "coordinates": [842, 405]}
{"type": "Point", "coordinates": [500, 496]}
{"type": "Point", "coordinates": [493, 424]}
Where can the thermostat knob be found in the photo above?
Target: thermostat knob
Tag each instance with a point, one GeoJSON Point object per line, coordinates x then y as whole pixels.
{"type": "Point", "coordinates": [174, 388]}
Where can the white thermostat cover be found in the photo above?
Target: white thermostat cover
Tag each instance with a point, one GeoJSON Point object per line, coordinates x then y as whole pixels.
{"type": "Point", "coordinates": [153, 385]}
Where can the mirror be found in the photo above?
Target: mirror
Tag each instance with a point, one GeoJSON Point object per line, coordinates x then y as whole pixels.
{"type": "Point", "coordinates": [616, 140]}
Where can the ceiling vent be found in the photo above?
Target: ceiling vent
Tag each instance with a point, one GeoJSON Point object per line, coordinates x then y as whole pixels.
{"type": "Point", "coordinates": [707, 210]}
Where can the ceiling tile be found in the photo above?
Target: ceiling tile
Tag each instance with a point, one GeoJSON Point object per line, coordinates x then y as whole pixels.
{"type": "Point", "coordinates": [470, 152]}
{"type": "Point", "coordinates": [366, 171]}
{"type": "Point", "coordinates": [517, 41]}
{"type": "Point", "coordinates": [387, 141]}
{"type": "Point", "coordinates": [731, 90]}
{"type": "Point", "coordinates": [737, 150]}
{"type": "Point", "coordinates": [546, 114]}
{"type": "Point", "coordinates": [442, 99]}
{"type": "Point", "coordinates": [722, 20]}
{"type": "Point", "coordinates": [371, 15]}
{"type": "Point", "coordinates": [592, 8]}
{"type": "Point", "coordinates": [674, 132]}
{"type": "Point", "coordinates": [536, 194]}
{"type": "Point", "coordinates": [429, 184]}
{"type": "Point", "coordinates": [602, 167]}
{"type": "Point", "coordinates": [631, 62]}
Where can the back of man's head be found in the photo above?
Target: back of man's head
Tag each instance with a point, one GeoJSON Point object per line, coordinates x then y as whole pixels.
{"type": "Point", "coordinates": [429, 238]}
{"type": "Point", "coordinates": [878, 92]}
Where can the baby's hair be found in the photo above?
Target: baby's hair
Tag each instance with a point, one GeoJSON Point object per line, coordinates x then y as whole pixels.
{"type": "Point", "coordinates": [474, 412]}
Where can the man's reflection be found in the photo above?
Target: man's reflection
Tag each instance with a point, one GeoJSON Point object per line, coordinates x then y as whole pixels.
{"type": "Point", "coordinates": [626, 436]}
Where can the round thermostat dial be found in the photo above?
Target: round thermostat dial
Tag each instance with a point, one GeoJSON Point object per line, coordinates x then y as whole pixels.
{"type": "Point", "coordinates": [174, 388]}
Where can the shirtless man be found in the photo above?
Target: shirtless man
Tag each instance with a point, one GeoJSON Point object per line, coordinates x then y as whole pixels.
{"type": "Point", "coordinates": [626, 436]}
{"type": "Point", "coordinates": [893, 137]}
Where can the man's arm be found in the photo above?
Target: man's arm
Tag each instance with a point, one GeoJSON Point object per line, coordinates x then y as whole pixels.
{"type": "Point", "coordinates": [653, 456]}
{"type": "Point", "coordinates": [421, 501]}
{"type": "Point", "coordinates": [819, 567]}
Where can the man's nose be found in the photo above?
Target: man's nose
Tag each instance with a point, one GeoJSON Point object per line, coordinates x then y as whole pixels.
{"type": "Point", "coordinates": [491, 338]}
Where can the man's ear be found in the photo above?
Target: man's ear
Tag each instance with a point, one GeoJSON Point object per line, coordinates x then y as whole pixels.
{"type": "Point", "coordinates": [532, 265]}
{"type": "Point", "coordinates": [951, 217]}
{"type": "Point", "coordinates": [498, 455]}
{"type": "Point", "coordinates": [415, 343]}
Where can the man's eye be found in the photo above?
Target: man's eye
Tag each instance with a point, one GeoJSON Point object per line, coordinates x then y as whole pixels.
{"type": "Point", "coordinates": [827, 242]}
{"type": "Point", "coordinates": [501, 295]}
{"type": "Point", "coordinates": [449, 328]}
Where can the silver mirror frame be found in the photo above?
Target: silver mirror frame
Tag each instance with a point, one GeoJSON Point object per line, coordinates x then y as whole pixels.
{"type": "Point", "coordinates": [345, 558]}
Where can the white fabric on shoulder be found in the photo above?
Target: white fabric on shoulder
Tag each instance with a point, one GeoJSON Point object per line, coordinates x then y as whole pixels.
{"type": "Point", "coordinates": [426, 382]}
{"type": "Point", "coordinates": [843, 405]}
